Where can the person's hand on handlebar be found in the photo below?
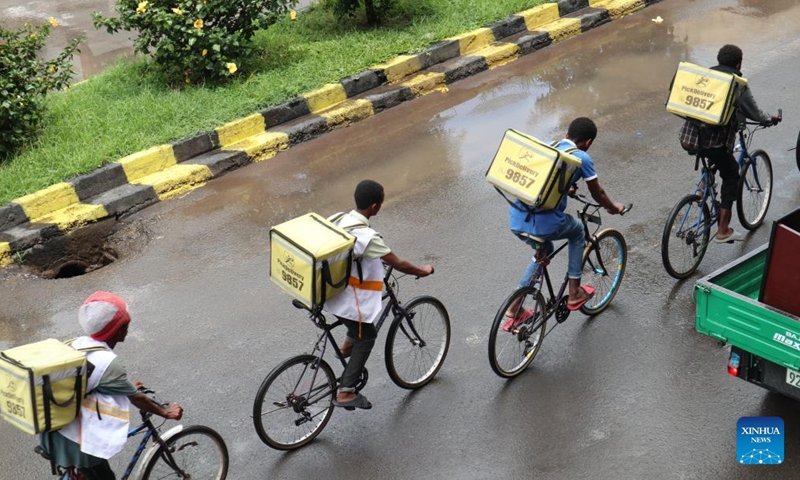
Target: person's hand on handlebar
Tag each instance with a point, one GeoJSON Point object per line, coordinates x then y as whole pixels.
{"type": "Point", "coordinates": [173, 411]}
{"type": "Point", "coordinates": [617, 210]}
{"type": "Point", "coordinates": [428, 269]}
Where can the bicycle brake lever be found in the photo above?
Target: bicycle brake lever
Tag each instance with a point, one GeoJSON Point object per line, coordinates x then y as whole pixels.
{"type": "Point", "coordinates": [626, 209]}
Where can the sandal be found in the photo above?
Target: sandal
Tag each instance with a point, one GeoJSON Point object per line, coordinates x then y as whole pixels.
{"type": "Point", "coordinates": [359, 402]}
{"type": "Point", "coordinates": [577, 306]}
{"type": "Point", "coordinates": [513, 323]}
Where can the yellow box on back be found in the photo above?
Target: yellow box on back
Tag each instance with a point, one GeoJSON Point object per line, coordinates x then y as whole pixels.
{"type": "Point", "coordinates": [532, 171]}
{"type": "Point", "coordinates": [310, 258]}
{"type": "Point", "coordinates": [42, 385]}
{"type": "Point", "coordinates": [704, 94]}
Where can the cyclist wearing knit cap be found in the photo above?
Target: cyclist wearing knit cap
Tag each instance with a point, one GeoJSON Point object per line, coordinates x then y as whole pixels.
{"type": "Point", "coordinates": [100, 430]}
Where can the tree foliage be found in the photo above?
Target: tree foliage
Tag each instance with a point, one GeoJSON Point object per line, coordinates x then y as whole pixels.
{"type": "Point", "coordinates": [375, 10]}
{"type": "Point", "coordinates": [194, 41]}
{"type": "Point", "coordinates": [25, 79]}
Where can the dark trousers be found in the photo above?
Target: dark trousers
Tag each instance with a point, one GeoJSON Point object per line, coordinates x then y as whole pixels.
{"type": "Point", "coordinates": [362, 347]}
{"type": "Point", "coordinates": [98, 472]}
{"type": "Point", "coordinates": [728, 169]}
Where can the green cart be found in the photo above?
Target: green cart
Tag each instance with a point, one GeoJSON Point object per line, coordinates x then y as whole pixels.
{"type": "Point", "coordinates": [765, 342]}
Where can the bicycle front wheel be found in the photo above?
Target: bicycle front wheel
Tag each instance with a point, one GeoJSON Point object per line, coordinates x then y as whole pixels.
{"type": "Point", "coordinates": [604, 263]}
{"type": "Point", "coordinates": [294, 402]}
{"type": "Point", "coordinates": [417, 343]}
{"type": "Point", "coordinates": [685, 238]}
{"type": "Point", "coordinates": [755, 190]}
{"type": "Point", "coordinates": [199, 453]}
{"type": "Point", "coordinates": [513, 340]}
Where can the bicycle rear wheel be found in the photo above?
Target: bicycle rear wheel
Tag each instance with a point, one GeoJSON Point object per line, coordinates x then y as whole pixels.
{"type": "Point", "coordinates": [294, 402]}
{"type": "Point", "coordinates": [685, 238]}
{"type": "Point", "coordinates": [604, 265]}
{"type": "Point", "coordinates": [198, 451]}
{"type": "Point", "coordinates": [417, 344]}
{"type": "Point", "coordinates": [755, 190]}
{"type": "Point", "coordinates": [514, 345]}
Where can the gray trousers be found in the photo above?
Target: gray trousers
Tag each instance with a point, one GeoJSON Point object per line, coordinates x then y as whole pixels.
{"type": "Point", "coordinates": [362, 347]}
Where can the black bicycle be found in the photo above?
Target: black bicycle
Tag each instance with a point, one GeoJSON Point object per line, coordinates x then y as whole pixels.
{"type": "Point", "coordinates": [515, 340]}
{"type": "Point", "coordinates": [294, 402]}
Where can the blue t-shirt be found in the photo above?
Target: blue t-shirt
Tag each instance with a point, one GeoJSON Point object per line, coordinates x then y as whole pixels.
{"type": "Point", "coordinates": [545, 222]}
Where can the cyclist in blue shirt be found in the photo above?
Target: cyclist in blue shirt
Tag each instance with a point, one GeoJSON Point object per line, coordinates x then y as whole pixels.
{"type": "Point", "coordinates": [544, 226]}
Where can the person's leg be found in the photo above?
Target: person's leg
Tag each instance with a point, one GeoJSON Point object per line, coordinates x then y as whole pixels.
{"type": "Point", "coordinates": [728, 170]}
{"type": "Point", "coordinates": [573, 232]}
{"type": "Point", "coordinates": [527, 277]}
{"type": "Point", "coordinates": [362, 347]}
{"type": "Point", "coordinates": [98, 472]}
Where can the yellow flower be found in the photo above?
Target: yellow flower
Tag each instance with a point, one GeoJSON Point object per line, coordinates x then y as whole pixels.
{"type": "Point", "coordinates": [177, 11]}
{"type": "Point", "coordinates": [53, 22]}
{"type": "Point", "coordinates": [33, 35]}
{"type": "Point", "coordinates": [198, 24]}
{"type": "Point", "coordinates": [231, 68]}
{"type": "Point", "coordinates": [293, 14]}
{"type": "Point", "coordinates": [52, 68]}
{"type": "Point", "coordinates": [142, 7]}
{"type": "Point", "coordinates": [204, 52]}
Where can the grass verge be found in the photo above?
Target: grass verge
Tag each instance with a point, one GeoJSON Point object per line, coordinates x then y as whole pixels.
{"type": "Point", "coordinates": [127, 109]}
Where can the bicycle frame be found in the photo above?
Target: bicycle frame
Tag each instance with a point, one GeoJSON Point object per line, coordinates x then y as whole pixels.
{"type": "Point", "coordinates": [393, 306]}
{"type": "Point", "coordinates": [151, 432]}
{"type": "Point", "coordinates": [541, 276]}
{"type": "Point", "coordinates": [706, 184]}
{"type": "Point", "coordinates": [744, 156]}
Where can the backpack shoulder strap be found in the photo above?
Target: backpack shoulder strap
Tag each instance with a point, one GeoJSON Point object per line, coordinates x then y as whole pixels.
{"type": "Point", "coordinates": [96, 348]}
{"type": "Point", "coordinates": [338, 216]}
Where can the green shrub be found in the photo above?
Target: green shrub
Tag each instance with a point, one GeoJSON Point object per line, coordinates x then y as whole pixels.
{"type": "Point", "coordinates": [194, 41]}
{"type": "Point", "coordinates": [375, 10]}
{"type": "Point", "coordinates": [25, 79]}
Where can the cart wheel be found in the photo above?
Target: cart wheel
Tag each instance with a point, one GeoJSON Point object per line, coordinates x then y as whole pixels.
{"type": "Point", "coordinates": [797, 151]}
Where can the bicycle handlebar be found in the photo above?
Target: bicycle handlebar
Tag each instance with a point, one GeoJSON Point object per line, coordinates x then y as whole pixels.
{"type": "Point", "coordinates": [589, 203]}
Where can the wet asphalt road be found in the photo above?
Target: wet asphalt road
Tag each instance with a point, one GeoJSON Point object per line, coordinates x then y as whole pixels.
{"type": "Point", "coordinates": [633, 393]}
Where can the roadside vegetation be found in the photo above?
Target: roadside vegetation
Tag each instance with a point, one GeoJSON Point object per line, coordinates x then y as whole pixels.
{"type": "Point", "coordinates": [130, 107]}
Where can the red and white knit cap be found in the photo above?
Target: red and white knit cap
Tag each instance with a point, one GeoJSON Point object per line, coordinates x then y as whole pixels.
{"type": "Point", "coordinates": [102, 314]}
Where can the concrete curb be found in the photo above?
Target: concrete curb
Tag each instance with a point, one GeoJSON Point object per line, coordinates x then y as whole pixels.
{"type": "Point", "coordinates": [159, 173]}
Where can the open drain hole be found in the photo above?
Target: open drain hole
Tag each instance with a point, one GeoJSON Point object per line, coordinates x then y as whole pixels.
{"type": "Point", "coordinates": [75, 268]}
{"type": "Point", "coordinates": [71, 269]}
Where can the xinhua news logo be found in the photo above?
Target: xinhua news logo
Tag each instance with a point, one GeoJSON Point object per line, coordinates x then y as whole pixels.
{"type": "Point", "coordinates": [759, 441]}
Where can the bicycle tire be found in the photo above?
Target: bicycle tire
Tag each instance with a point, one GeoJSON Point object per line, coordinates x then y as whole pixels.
{"type": "Point", "coordinates": [512, 351]}
{"type": "Point", "coordinates": [426, 327]}
{"type": "Point", "coordinates": [685, 238]}
{"type": "Point", "coordinates": [287, 426]}
{"type": "Point", "coordinates": [604, 263]}
{"type": "Point", "coordinates": [191, 447]}
{"type": "Point", "coordinates": [755, 190]}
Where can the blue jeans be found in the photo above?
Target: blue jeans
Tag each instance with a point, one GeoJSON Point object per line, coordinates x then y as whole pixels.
{"type": "Point", "coordinates": [572, 231]}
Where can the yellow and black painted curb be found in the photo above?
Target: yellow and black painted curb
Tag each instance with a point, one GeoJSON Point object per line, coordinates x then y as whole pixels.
{"type": "Point", "coordinates": [147, 177]}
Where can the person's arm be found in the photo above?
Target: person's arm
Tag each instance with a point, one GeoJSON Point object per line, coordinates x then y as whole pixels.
{"type": "Point", "coordinates": [750, 109]}
{"type": "Point", "coordinates": [599, 195]}
{"type": "Point", "coordinates": [172, 411]}
{"type": "Point", "coordinates": [407, 267]}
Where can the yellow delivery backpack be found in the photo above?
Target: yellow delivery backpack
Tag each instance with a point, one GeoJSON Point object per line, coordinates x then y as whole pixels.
{"type": "Point", "coordinates": [42, 385]}
{"type": "Point", "coordinates": [704, 94]}
{"type": "Point", "coordinates": [310, 258]}
{"type": "Point", "coordinates": [532, 171]}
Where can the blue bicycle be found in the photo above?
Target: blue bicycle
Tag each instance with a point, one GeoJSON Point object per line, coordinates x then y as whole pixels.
{"type": "Point", "coordinates": [688, 228]}
{"type": "Point", "coordinates": [196, 452]}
